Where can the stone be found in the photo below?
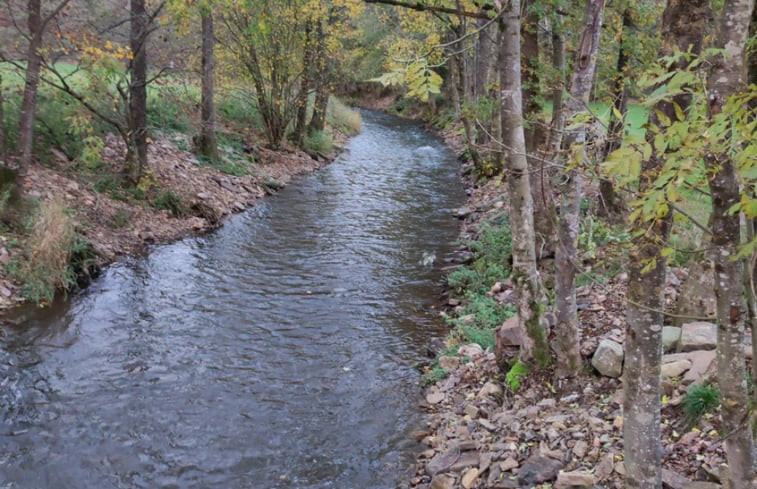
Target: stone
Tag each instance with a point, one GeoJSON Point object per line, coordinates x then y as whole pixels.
{"type": "Point", "coordinates": [443, 461]}
{"type": "Point", "coordinates": [701, 362]}
{"type": "Point", "coordinates": [673, 480]}
{"type": "Point", "coordinates": [509, 333]}
{"type": "Point", "coordinates": [489, 389]}
{"type": "Point", "coordinates": [580, 449]}
{"type": "Point", "coordinates": [699, 335]}
{"type": "Point", "coordinates": [608, 359]}
{"type": "Point", "coordinates": [670, 337]}
{"type": "Point", "coordinates": [442, 481]}
{"type": "Point", "coordinates": [469, 478]}
{"type": "Point", "coordinates": [697, 295]}
{"type": "Point", "coordinates": [508, 464]}
{"type": "Point", "coordinates": [702, 485]}
{"type": "Point", "coordinates": [466, 459]}
{"type": "Point", "coordinates": [434, 397]}
{"type": "Point", "coordinates": [463, 212]}
{"type": "Point", "coordinates": [674, 369]}
{"type": "Point", "coordinates": [538, 469]}
{"type": "Point", "coordinates": [449, 363]}
{"type": "Point", "coordinates": [577, 478]}
{"type": "Point", "coordinates": [471, 350]}
{"type": "Point", "coordinates": [604, 468]}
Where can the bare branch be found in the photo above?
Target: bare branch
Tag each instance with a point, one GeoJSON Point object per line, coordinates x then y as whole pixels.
{"type": "Point", "coordinates": [422, 7]}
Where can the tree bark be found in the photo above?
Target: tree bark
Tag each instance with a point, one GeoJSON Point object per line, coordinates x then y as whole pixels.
{"type": "Point", "coordinates": [318, 120]}
{"type": "Point", "coordinates": [3, 149]}
{"type": "Point", "coordinates": [530, 295]}
{"type": "Point", "coordinates": [567, 330]}
{"type": "Point", "coordinates": [302, 98]}
{"type": "Point", "coordinates": [725, 79]}
{"type": "Point", "coordinates": [684, 22]}
{"type": "Point", "coordinates": [611, 202]}
{"type": "Point", "coordinates": [31, 87]}
{"type": "Point", "coordinates": [136, 157]}
{"type": "Point", "coordinates": [458, 73]}
{"type": "Point", "coordinates": [558, 65]}
{"type": "Point", "coordinates": [207, 142]}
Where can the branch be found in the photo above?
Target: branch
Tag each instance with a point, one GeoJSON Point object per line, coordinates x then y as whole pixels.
{"type": "Point", "coordinates": [422, 7]}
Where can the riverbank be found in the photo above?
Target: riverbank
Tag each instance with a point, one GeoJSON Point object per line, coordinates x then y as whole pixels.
{"type": "Point", "coordinates": [188, 198]}
{"type": "Point", "coordinates": [480, 433]}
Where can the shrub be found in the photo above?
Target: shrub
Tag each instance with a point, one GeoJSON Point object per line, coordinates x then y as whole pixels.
{"type": "Point", "coordinates": [342, 117]}
{"type": "Point", "coordinates": [515, 376]}
{"type": "Point", "coordinates": [169, 106]}
{"type": "Point", "coordinates": [318, 142]}
{"type": "Point", "coordinates": [435, 374]}
{"type": "Point", "coordinates": [167, 200]}
{"type": "Point", "coordinates": [698, 401]}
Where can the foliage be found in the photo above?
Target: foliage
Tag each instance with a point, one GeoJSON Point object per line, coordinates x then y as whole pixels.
{"type": "Point", "coordinates": [700, 400]}
{"type": "Point", "coordinates": [434, 374]}
{"type": "Point", "coordinates": [515, 375]}
{"type": "Point", "coordinates": [318, 142]}
{"type": "Point", "coordinates": [167, 200]}
{"type": "Point", "coordinates": [343, 118]}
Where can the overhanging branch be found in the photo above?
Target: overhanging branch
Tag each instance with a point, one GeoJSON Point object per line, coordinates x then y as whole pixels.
{"type": "Point", "coordinates": [422, 7]}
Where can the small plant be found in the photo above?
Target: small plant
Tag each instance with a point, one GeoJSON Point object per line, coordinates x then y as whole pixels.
{"type": "Point", "coordinates": [699, 401]}
{"type": "Point", "coordinates": [515, 376]}
{"type": "Point", "coordinates": [482, 336]}
{"type": "Point", "coordinates": [167, 200]}
{"type": "Point", "coordinates": [434, 375]}
{"type": "Point", "coordinates": [318, 142]}
{"type": "Point", "coordinates": [120, 218]}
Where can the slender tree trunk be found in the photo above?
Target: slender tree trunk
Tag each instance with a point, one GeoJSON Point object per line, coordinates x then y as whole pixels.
{"type": "Point", "coordinates": [567, 332]}
{"type": "Point", "coordinates": [31, 86]}
{"type": "Point", "coordinates": [465, 112]}
{"type": "Point", "coordinates": [529, 292]}
{"type": "Point", "coordinates": [318, 121]}
{"type": "Point", "coordinates": [611, 202]}
{"type": "Point", "coordinates": [3, 149]}
{"type": "Point", "coordinates": [136, 159]}
{"type": "Point", "coordinates": [749, 265]}
{"type": "Point", "coordinates": [207, 142]}
{"type": "Point", "coordinates": [484, 51]}
{"type": "Point", "coordinates": [683, 27]}
{"type": "Point", "coordinates": [558, 65]}
{"type": "Point", "coordinates": [302, 99]}
{"type": "Point", "coordinates": [725, 79]}
{"type": "Point", "coordinates": [323, 75]}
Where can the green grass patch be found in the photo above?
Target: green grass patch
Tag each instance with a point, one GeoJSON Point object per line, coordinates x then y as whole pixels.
{"type": "Point", "coordinates": [516, 374]}
{"type": "Point", "coordinates": [699, 401]}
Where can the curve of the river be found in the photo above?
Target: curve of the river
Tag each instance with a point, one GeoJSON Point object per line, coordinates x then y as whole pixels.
{"type": "Point", "coordinates": [274, 353]}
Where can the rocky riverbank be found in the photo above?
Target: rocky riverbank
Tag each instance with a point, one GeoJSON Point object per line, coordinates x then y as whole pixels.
{"type": "Point", "coordinates": [554, 433]}
{"type": "Point", "coordinates": [202, 196]}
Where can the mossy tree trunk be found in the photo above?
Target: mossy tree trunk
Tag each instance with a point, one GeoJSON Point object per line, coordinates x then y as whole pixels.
{"type": "Point", "coordinates": [566, 313]}
{"type": "Point", "coordinates": [684, 22]}
{"type": "Point", "coordinates": [530, 295]}
{"type": "Point", "coordinates": [725, 79]}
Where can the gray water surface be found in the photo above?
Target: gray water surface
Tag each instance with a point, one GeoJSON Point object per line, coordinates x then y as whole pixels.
{"type": "Point", "coordinates": [274, 353]}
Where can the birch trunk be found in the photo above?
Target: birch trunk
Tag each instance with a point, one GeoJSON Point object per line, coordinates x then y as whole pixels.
{"type": "Point", "coordinates": [567, 331]}
{"type": "Point", "coordinates": [725, 79]}
{"type": "Point", "coordinates": [529, 292]}
{"type": "Point", "coordinates": [684, 22]}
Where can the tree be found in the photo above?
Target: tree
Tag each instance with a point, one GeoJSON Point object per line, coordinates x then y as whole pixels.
{"type": "Point", "coordinates": [574, 141]}
{"type": "Point", "coordinates": [207, 144]}
{"type": "Point", "coordinates": [726, 79]}
{"type": "Point", "coordinates": [530, 297]}
{"type": "Point", "coordinates": [136, 155]}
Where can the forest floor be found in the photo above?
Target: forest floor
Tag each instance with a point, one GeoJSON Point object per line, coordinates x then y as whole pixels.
{"type": "Point", "coordinates": [552, 433]}
{"type": "Point", "coordinates": [179, 197]}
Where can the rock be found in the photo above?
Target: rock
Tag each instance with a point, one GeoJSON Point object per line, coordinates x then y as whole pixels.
{"type": "Point", "coordinates": [604, 468]}
{"type": "Point", "coordinates": [489, 389]}
{"type": "Point", "coordinates": [674, 369]}
{"type": "Point", "coordinates": [434, 397]}
{"type": "Point", "coordinates": [577, 478]}
{"type": "Point", "coordinates": [620, 468]}
{"type": "Point", "coordinates": [238, 206]}
{"type": "Point", "coordinates": [702, 485]}
{"type": "Point", "coordinates": [443, 461]}
{"type": "Point", "coordinates": [442, 481]}
{"type": "Point", "coordinates": [452, 302]}
{"type": "Point", "coordinates": [466, 459]}
{"type": "Point", "coordinates": [701, 362]}
{"type": "Point", "coordinates": [697, 296]}
{"type": "Point", "coordinates": [508, 464]}
{"type": "Point", "coordinates": [449, 363]}
{"type": "Point", "coordinates": [608, 359]}
{"type": "Point", "coordinates": [538, 469]}
{"type": "Point", "coordinates": [469, 478]}
{"type": "Point", "coordinates": [463, 212]}
{"type": "Point", "coordinates": [580, 449]}
{"type": "Point", "coordinates": [699, 335]}
{"type": "Point", "coordinates": [673, 480]}
{"type": "Point", "coordinates": [670, 337]}
{"type": "Point", "coordinates": [471, 350]}
{"type": "Point", "coordinates": [509, 333]}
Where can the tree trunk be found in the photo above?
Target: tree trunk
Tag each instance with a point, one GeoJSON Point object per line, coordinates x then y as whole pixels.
{"type": "Point", "coordinates": [458, 72]}
{"type": "Point", "coordinates": [684, 22]}
{"type": "Point", "coordinates": [3, 149]}
{"type": "Point", "coordinates": [31, 86]}
{"type": "Point", "coordinates": [611, 202]}
{"type": "Point", "coordinates": [567, 332]}
{"type": "Point", "coordinates": [302, 99]}
{"type": "Point", "coordinates": [558, 65]}
{"type": "Point", "coordinates": [207, 142]}
{"type": "Point", "coordinates": [725, 79]}
{"type": "Point", "coordinates": [483, 66]}
{"type": "Point", "coordinates": [530, 297]}
{"type": "Point", "coordinates": [136, 160]}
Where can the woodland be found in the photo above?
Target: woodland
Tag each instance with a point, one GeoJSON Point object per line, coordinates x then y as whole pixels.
{"type": "Point", "coordinates": [614, 144]}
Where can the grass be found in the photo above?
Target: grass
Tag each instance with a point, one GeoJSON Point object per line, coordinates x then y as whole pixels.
{"type": "Point", "coordinates": [699, 401]}
{"type": "Point", "coordinates": [319, 142]}
{"type": "Point", "coordinates": [343, 118]}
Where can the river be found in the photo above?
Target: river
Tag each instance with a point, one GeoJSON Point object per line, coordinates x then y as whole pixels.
{"type": "Point", "coordinates": [276, 352]}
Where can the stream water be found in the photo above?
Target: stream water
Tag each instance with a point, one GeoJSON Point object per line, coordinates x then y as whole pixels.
{"type": "Point", "coordinates": [276, 352]}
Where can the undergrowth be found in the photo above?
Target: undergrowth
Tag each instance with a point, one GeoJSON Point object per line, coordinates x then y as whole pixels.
{"type": "Point", "coordinates": [699, 401]}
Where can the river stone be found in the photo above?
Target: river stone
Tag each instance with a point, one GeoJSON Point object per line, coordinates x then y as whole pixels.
{"type": "Point", "coordinates": [577, 478]}
{"type": "Point", "coordinates": [674, 369]}
{"type": "Point", "coordinates": [443, 461]}
{"type": "Point", "coordinates": [538, 469]}
{"type": "Point", "coordinates": [449, 363]}
{"type": "Point", "coordinates": [702, 485]}
{"type": "Point", "coordinates": [701, 362]}
{"type": "Point", "coordinates": [434, 397]}
{"type": "Point", "coordinates": [604, 468]}
{"type": "Point", "coordinates": [470, 350]}
{"type": "Point", "coordinates": [608, 359]}
{"type": "Point", "coordinates": [673, 480]}
{"type": "Point", "coordinates": [670, 337]}
{"type": "Point", "coordinates": [697, 297]}
{"type": "Point", "coordinates": [466, 459]}
{"type": "Point", "coordinates": [442, 481]}
{"type": "Point", "coordinates": [469, 478]}
{"type": "Point", "coordinates": [699, 335]}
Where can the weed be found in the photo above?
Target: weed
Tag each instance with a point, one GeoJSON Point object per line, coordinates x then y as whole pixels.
{"type": "Point", "coordinates": [120, 219]}
{"type": "Point", "coordinates": [318, 142]}
{"type": "Point", "coordinates": [342, 117]}
{"type": "Point", "coordinates": [167, 200]}
{"type": "Point", "coordinates": [698, 401]}
{"type": "Point", "coordinates": [515, 376]}
{"type": "Point", "coordinates": [434, 375]}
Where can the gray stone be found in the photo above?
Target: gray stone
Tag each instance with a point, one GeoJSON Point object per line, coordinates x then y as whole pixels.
{"type": "Point", "coordinates": [673, 480]}
{"type": "Point", "coordinates": [509, 332]}
{"type": "Point", "coordinates": [442, 481]}
{"type": "Point", "coordinates": [697, 295]}
{"type": "Point", "coordinates": [449, 363]}
{"type": "Point", "coordinates": [674, 369]}
{"type": "Point", "coordinates": [577, 478]}
{"type": "Point", "coordinates": [538, 469]}
{"type": "Point", "coordinates": [466, 459]}
{"type": "Point", "coordinates": [699, 335]}
{"type": "Point", "coordinates": [701, 362]}
{"type": "Point", "coordinates": [470, 350]}
{"type": "Point", "coordinates": [702, 485]}
{"type": "Point", "coordinates": [670, 337]}
{"type": "Point", "coordinates": [443, 461]}
{"type": "Point", "coordinates": [608, 359]}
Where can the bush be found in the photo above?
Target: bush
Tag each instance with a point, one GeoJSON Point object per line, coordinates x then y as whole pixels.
{"type": "Point", "coordinates": [699, 401]}
{"type": "Point", "coordinates": [342, 117]}
{"type": "Point", "coordinates": [239, 108]}
{"type": "Point", "coordinates": [515, 376]}
{"type": "Point", "coordinates": [167, 200]}
{"type": "Point", "coordinates": [47, 266]}
{"type": "Point", "coordinates": [318, 142]}
{"type": "Point", "coordinates": [169, 106]}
